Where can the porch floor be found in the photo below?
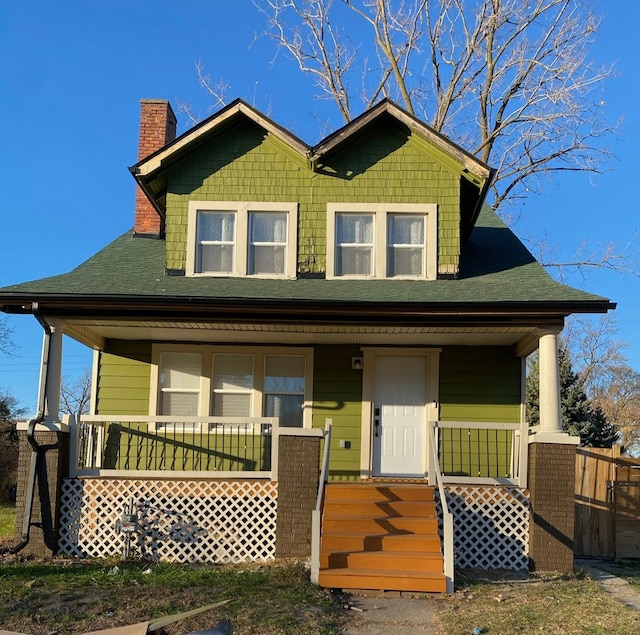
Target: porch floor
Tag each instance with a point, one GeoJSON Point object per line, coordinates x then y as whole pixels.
{"type": "Point", "coordinates": [381, 536]}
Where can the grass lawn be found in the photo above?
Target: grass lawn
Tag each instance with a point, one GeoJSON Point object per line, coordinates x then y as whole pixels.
{"type": "Point", "coordinates": [77, 597]}
{"type": "Point", "coordinates": [82, 597]}
{"type": "Point", "coordinates": [7, 520]}
{"type": "Point", "coordinates": [549, 604]}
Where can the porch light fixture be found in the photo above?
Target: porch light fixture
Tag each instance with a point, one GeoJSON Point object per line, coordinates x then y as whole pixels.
{"type": "Point", "coordinates": [356, 363]}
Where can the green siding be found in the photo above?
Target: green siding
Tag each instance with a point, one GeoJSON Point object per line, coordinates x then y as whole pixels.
{"type": "Point", "coordinates": [337, 394]}
{"type": "Point", "coordinates": [384, 165]}
{"type": "Point", "coordinates": [124, 375]}
{"type": "Point", "coordinates": [480, 384]}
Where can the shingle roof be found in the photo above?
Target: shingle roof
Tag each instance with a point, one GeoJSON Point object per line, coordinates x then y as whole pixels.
{"type": "Point", "coordinates": [496, 269]}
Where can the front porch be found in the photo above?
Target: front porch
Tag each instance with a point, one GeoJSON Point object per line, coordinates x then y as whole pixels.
{"type": "Point", "coordinates": [204, 489]}
{"type": "Point", "coordinates": [229, 489]}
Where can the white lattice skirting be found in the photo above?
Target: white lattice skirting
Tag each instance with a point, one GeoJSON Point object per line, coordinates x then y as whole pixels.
{"type": "Point", "coordinates": [177, 521]}
{"type": "Point", "coordinates": [491, 527]}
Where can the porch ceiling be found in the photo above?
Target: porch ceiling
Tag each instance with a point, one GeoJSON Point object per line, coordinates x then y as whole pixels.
{"type": "Point", "coordinates": [92, 332]}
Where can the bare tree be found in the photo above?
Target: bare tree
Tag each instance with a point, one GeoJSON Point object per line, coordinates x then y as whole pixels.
{"type": "Point", "coordinates": [10, 412]}
{"type": "Point", "coordinates": [7, 346]}
{"type": "Point", "coordinates": [75, 397]}
{"type": "Point", "coordinates": [605, 375]}
{"type": "Point", "coordinates": [619, 398]}
{"type": "Point", "coordinates": [509, 79]}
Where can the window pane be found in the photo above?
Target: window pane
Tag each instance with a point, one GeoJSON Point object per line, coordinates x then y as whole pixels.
{"type": "Point", "coordinates": [180, 371]}
{"type": "Point", "coordinates": [284, 373]}
{"type": "Point", "coordinates": [287, 407]}
{"type": "Point", "coordinates": [354, 229]}
{"type": "Point", "coordinates": [216, 258]}
{"type": "Point", "coordinates": [353, 261]}
{"type": "Point", "coordinates": [217, 226]}
{"type": "Point", "coordinates": [267, 227]}
{"type": "Point", "coordinates": [179, 404]}
{"type": "Point", "coordinates": [267, 259]}
{"type": "Point", "coordinates": [233, 371]}
{"type": "Point", "coordinates": [405, 262]}
{"type": "Point", "coordinates": [231, 405]}
{"type": "Point", "coordinates": [405, 229]}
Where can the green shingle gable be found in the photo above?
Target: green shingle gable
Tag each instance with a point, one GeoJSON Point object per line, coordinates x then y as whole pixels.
{"type": "Point", "coordinates": [385, 162]}
{"type": "Point", "coordinates": [243, 163]}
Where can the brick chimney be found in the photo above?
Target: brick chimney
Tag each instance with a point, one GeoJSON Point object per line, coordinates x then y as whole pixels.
{"type": "Point", "coordinates": [157, 128]}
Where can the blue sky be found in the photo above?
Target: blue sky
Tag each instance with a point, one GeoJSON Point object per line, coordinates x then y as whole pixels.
{"type": "Point", "coordinates": [71, 77]}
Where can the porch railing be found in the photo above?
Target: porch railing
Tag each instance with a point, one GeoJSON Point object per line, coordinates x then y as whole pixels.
{"type": "Point", "coordinates": [435, 479]}
{"type": "Point", "coordinates": [316, 514]}
{"type": "Point", "coordinates": [161, 446]}
{"type": "Point", "coordinates": [481, 453]}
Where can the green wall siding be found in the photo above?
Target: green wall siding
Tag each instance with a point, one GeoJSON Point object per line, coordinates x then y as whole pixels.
{"type": "Point", "coordinates": [480, 384]}
{"type": "Point", "coordinates": [124, 374]}
{"type": "Point", "coordinates": [385, 165]}
{"type": "Point", "coordinates": [337, 394]}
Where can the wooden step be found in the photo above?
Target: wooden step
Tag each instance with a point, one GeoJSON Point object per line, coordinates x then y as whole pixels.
{"type": "Point", "coordinates": [373, 492]}
{"type": "Point", "coordinates": [383, 580]}
{"type": "Point", "coordinates": [380, 508]}
{"type": "Point", "coordinates": [362, 541]}
{"type": "Point", "coordinates": [382, 561]}
{"type": "Point", "coordinates": [382, 524]}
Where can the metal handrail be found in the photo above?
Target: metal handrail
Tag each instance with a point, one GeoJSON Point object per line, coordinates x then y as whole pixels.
{"type": "Point", "coordinates": [316, 514]}
{"type": "Point", "coordinates": [224, 446]}
{"type": "Point", "coordinates": [515, 462]}
{"type": "Point", "coordinates": [447, 516]}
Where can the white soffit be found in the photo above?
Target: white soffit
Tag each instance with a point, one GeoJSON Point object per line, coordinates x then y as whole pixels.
{"type": "Point", "coordinates": [300, 334]}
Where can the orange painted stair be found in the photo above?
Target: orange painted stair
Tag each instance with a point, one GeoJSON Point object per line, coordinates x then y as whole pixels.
{"type": "Point", "coordinates": [381, 537]}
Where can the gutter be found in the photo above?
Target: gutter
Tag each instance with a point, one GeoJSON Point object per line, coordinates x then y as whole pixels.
{"type": "Point", "coordinates": [36, 449]}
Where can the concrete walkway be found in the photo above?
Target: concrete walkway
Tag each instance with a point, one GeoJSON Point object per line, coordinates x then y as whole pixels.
{"type": "Point", "coordinates": [382, 615]}
{"type": "Point", "coordinates": [603, 572]}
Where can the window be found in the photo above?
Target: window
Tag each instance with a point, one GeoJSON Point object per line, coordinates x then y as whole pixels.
{"type": "Point", "coordinates": [354, 244]}
{"type": "Point", "coordinates": [237, 239]}
{"type": "Point", "coordinates": [405, 245]}
{"type": "Point", "coordinates": [381, 240]}
{"type": "Point", "coordinates": [180, 384]}
{"type": "Point", "coordinates": [234, 381]}
{"type": "Point", "coordinates": [267, 243]}
{"type": "Point", "coordinates": [216, 242]}
{"type": "Point", "coordinates": [232, 385]}
{"type": "Point", "coordinates": [284, 388]}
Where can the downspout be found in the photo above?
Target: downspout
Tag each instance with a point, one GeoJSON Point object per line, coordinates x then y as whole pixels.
{"type": "Point", "coordinates": [31, 429]}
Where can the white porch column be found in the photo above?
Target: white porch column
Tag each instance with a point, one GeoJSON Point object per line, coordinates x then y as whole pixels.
{"type": "Point", "coordinates": [550, 428]}
{"type": "Point", "coordinates": [549, 386]}
{"type": "Point", "coordinates": [54, 372]}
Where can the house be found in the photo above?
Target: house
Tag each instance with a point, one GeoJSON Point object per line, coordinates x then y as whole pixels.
{"type": "Point", "coordinates": [282, 316]}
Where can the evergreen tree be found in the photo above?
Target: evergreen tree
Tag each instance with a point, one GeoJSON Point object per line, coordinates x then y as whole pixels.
{"type": "Point", "coordinates": [580, 417]}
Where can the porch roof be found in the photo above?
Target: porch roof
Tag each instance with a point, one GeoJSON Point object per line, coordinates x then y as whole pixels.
{"type": "Point", "coordinates": [498, 275]}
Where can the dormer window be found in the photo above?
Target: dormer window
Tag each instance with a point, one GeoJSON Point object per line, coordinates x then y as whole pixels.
{"type": "Point", "coordinates": [242, 239]}
{"type": "Point", "coordinates": [215, 242]}
{"type": "Point", "coordinates": [267, 243]}
{"type": "Point", "coordinates": [381, 241]}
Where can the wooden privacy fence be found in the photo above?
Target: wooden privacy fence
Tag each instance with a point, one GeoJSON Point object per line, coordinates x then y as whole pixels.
{"type": "Point", "coordinates": [607, 511]}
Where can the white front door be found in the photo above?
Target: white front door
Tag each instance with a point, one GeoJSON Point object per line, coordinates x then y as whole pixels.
{"type": "Point", "coordinates": [400, 416]}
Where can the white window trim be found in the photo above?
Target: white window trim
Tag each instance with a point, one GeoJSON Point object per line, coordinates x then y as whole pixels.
{"type": "Point", "coordinates": [259, 354]}
{"type": "Point", "coordinates": [242, 210]}
{"type": "Point", "coordinates": [380, 212]}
